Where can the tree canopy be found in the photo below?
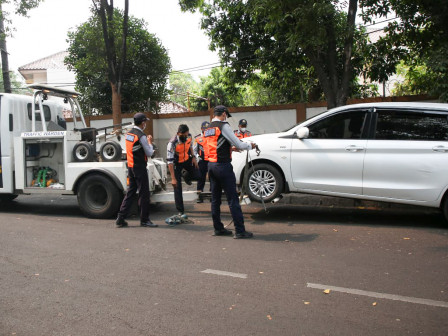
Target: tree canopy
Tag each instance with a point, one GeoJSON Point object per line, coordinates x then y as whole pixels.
{"type": "Point", "coordinates": [144, 75]}
{"type": "Point", "coordinates": [419, 37]}
{"type": "Point", "coordinates": [303, 47]}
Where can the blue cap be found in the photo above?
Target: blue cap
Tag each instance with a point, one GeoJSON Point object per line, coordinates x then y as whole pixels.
{"type": "Point", "coordinates": [243, 122]}
{"type": "Point", "coordinates": [139, 118]}
{"type": "Point", "coordinates": [205, 124]}
{"type": "Point", "coordinates": [220, 109]}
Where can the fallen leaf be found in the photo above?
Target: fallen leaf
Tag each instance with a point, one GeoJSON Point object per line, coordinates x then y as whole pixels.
{"type": "Point", "coordinates": [269, 317]}
{"type": "Point", "coordinates": [37, 274]}
{"type": "Point", "coordinates": [374, 304]}
{"type": "Point", "coordinates": [327, 291]}
{"type": "Point", "coordinates": [335, 230]}
{"type": "Point", "coordinates": [406, 238]}
{"type": "Point", "coordinates": [306, 302]}
{"type": "Point", "coordinates": [286, 240]}
{"type": "Point", "coordinates": [261, 272]}
{"type": "Point", "coordinates": [126, 250]}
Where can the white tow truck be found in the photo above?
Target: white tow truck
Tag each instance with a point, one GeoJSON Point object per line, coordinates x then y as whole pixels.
{"type": "Point", "coordinates": [38, 155]}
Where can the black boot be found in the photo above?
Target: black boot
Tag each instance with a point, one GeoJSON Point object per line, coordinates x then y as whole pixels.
{"type": "Point", "coordinates": [120, 222]}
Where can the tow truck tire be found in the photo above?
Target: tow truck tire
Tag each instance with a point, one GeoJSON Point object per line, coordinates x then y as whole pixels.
{"type": "Point", "coordinates": [83, 152]}
{"type": "Point", "coordinates": [110, 151]}
{"type": "Point", "coordinates": [7, 197]}
{"type": "Point", "coordinates": [265, 179]}
{"type": "Point", "coordinates": [98, 196]}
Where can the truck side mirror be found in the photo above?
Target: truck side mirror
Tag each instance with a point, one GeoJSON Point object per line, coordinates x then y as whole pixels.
{"type": "Point", "coordinates": [303, 132]}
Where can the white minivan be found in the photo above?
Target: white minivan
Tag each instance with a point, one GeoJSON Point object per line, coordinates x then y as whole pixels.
{"type": "Point", "coordinates": [390, 152]}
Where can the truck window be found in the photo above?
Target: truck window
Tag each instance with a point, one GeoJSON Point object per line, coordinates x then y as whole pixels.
{"type": "Point", "coordinates": [47, 112]}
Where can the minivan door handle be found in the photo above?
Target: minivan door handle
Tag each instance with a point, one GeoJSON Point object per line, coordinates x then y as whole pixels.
{"type": "Point", "coordinates": [354, 148]}
{"type": "Point", "coordinates": [440, 149]}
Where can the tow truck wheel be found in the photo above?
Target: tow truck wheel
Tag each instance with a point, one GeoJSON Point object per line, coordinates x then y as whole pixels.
{"type": "Point", "coordinates": [83, 152]}
{"type": "Point", "coordinates": [110, 151]}
{"type": "Point", "coordinates": [98, 196]}
{"type": "Point", "coordinates": [7, 197]}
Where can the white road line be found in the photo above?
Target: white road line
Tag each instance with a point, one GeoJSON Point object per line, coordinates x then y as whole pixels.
{"type": "Point", "coordinates": [381, 295]}
{"type": "Point", "coordinates": [235, 275]}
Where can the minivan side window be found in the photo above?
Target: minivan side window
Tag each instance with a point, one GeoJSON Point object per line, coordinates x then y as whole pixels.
{"type": "Point", "coordinates": [47, 112]}
{"type": "Point", "coordinates": [348, 125]}
{"type": "Point", "coordinates": [411, 125]}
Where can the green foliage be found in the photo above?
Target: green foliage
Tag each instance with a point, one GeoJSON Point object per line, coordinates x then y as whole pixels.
{"type": "Point", "coordinates": [17, 84]}
{"type": "Point", "coordinates": [419, 38]}
{"type": "Point", "coordinates": [180, 84]}
{"type": "Point", "coordinates": [19, 7]}
{"type": "Point", "coordinates": [145, 73]}
{"type": "Point", "coordinates": [302, 48]}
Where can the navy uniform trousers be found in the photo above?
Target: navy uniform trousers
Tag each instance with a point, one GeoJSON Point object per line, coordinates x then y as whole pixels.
{"type": "Point", "coordinates": [138, 181]}
{"type": "Point", "coordinates": [222, 178]}
{"type": "Point", "coordinates": [193, 174]}
{"type": "Point", "coordinates": [203, 168]}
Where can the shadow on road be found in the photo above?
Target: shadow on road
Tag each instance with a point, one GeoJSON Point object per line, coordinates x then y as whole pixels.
{"type": "Point", "coordinates": [295, 215]}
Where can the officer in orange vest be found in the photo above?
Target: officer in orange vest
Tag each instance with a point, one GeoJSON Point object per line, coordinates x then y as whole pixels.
{"type": "Point", "coordinates": [180, 157]}
{"type": "Point", "coordinates": [200, 150]}
{"type": "Point", "coordinates": [138, 148]}
{"type": "Point", "coordinates": [221, 141]}
{"type": "Point", "coordinates": [242, 131]}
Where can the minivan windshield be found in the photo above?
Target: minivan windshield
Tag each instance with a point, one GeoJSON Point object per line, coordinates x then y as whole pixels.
{"type": "Point", "coordinates": [290, 128]}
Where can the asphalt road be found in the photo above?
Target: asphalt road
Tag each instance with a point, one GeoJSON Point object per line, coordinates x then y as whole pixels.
{"type": "Point", "coordinates": [385, 272]}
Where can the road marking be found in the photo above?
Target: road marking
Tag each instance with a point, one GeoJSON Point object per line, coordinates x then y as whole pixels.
{"type": "Point", "coordinates": [231, 274]}
{"type": "Point", "coordinates": [381, 295]}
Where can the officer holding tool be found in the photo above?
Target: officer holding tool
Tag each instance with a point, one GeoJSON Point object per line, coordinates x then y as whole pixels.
{"type": "Point", "coordinates": [221, 141]}
{"type": "Point", "coordinates": [200, 150]}
{"type": "Point", "coordinates": [138, 148]}
{"type": "Point", "coordinates": [180, 157]}
{"type": "Point", "coordinates": [242, 131]}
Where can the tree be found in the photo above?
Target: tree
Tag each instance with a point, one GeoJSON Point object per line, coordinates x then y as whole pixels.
{"type": "Point", "coordinates": [115, 61]}
{"type": "Point", "coordinates": [143, 78]}
{"type": "Point", "coordinates": [419, 38]}
{"type": "Point", "coordinates": [181, 84]}
{"type": "Point", "coordinates": [21, 7]}
{"type": "Point", "coordinates": [285, 39]}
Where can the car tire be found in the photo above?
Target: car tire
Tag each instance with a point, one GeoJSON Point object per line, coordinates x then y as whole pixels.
{"type": "Point", "coordinates": [265, 178]}
{"type": "Point", "coordinates": [83, 152]}
{"type": "Point", "coordinates": [98, 196]}
{"type": "Point", "coordinates": [445, 208]}
{"type": "Point", "coordinates": [7, 197]}
{"type": "Point", "coordinates": [110, 151]}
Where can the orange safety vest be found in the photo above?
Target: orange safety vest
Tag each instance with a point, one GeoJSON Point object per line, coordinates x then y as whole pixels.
{"type": "Point", "coordinates": [241, 135]}
{"type": "Point", "coordinates": [202, 145]}
{"type": "Point", "coordinates": [182, 150]}
{"type": "Point", "coordinates": [219, 148]}
{"type": "Point", "coordinates": [135, 153]}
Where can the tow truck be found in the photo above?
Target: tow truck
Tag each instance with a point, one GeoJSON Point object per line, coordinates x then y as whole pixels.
{"type": "Point", "coordinates": [38, 155]}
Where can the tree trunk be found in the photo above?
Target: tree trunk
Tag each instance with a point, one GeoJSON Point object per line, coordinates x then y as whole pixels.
{"type": "Point", "coordinates": [116, 105]}
{"type": "Point", "coordinates": [4, 53]}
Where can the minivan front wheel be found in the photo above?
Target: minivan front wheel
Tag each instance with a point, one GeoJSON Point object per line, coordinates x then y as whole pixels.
{"type": "Point", "coordinates": [263, 182]}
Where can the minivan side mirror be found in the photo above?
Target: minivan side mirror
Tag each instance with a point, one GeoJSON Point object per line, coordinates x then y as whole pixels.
{"type": "Point", "coordinates": [303, 132]}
